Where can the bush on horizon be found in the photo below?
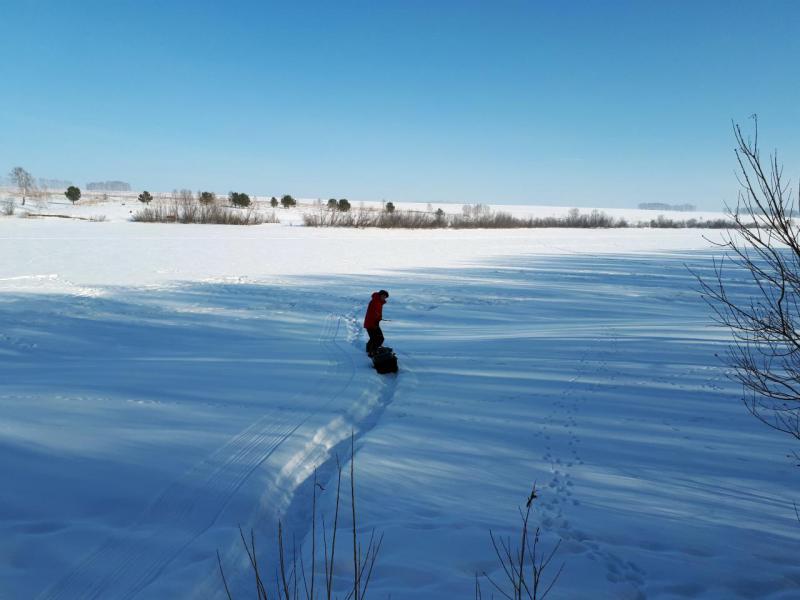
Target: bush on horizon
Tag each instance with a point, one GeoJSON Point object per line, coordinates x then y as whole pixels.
{"type": "Point", "coordinates": [205, 214]}
{"type": "Point", "coordinates": [473, 217]}
{"type": "Point", "coordinates": [662, 222]}
{"type": "Point", "coordinates": [364, 217]}
{"type": "Point", "coordinates": [73, 194]}
{"type": "Point", "coordinates": [239, 199]}
{"type": "Point", "coordinates": [206, 197]}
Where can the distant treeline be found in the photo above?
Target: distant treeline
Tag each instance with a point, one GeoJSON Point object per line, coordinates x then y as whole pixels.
{"type": "Point", "coordinates": [661, 206]}
{"type": "Point", "coordinates": [108, 186]}
{"type": "Point", "coordinates": [53, 184]}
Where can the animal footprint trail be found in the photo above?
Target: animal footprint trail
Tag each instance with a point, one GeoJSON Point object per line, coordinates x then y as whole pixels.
{"type": "Point", "coordinates": [562, 443]}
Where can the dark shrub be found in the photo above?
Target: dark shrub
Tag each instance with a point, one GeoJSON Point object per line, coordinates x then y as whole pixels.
{"type": "Point", "coordinates": [239, 199]}
{"type": "Point", "coordinates": [343, 205]}
{"type": "Point", "coordinates": [207, 197]}
{"type": "Point", "coordinates": [287, 201]}
{"type": "Point", "coordinates": [145, 197]}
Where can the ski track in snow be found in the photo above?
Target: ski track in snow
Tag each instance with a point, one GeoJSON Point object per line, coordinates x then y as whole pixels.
{"type": "Point", "coordinates": [329, 444]}
{"type": "Point", "coordinates": [129, 562]}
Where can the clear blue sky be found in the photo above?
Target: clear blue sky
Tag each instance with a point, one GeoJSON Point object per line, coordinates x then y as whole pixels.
{"type": "Point", "coordinates": [596, 103]}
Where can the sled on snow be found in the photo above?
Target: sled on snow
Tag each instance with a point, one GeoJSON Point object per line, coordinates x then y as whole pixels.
{"type": "Point", "coordinates": [384, 360]}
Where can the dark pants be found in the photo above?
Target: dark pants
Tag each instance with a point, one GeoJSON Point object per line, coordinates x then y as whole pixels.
{"type": "Point", "coordinates": [375, 339]}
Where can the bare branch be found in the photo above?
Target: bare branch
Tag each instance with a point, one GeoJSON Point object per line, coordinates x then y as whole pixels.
{"type": "Point", "coordinates": [755, 289]}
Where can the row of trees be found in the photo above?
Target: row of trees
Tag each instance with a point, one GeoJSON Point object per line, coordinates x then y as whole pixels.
{"type": "Point", "coordinates": [342, 205]}
{"type": "Point", "coordinates": [26, 183]}
{"type": "Point", "coordinates": [23, 180]}
{"type": "Point", "coordinates": [239, 199]}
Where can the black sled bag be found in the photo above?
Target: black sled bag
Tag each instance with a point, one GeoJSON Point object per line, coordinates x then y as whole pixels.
{"type": "Point", "coordinates": [385, 361]}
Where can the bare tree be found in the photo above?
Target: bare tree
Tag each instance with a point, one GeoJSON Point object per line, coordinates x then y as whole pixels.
{"type": "Point", "coordinates": [763, 251]}
{"type": "Point", "coordinates": [23, 180]}
{"type": "Point", "coordinates": [184, 196]}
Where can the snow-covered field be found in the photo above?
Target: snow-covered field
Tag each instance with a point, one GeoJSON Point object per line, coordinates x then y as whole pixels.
{"type": "Point", "coordinates": [163, 384]}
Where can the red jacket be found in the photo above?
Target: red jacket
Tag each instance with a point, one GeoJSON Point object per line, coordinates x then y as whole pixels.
{"type": "Point", "coordinates": [374, 311]}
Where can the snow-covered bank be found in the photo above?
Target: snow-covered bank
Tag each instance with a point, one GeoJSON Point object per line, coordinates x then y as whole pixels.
{"type": "Point", "coordinates": [123, 253]}
{"type": "Point", "coordinates": [164, 383]}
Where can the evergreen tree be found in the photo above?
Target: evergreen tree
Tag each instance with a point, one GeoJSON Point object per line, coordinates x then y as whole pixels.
{"type": "Point", "coordinates": [73, 194]}
{"type": "Point", "coordinates": [239, 199]}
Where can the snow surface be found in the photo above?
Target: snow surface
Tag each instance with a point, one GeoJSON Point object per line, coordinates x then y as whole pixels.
{"type": "Point", "coordinates": [162, 384]}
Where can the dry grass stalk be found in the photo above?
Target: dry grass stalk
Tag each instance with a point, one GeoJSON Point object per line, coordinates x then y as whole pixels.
{"type": "Point", "coordinates": [523, 567]}
{"type": "Point", "coordinates": [292, 582]}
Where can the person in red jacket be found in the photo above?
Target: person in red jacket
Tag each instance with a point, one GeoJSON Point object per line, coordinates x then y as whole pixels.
{"type": "Point", "coordinates": [372, 321]}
